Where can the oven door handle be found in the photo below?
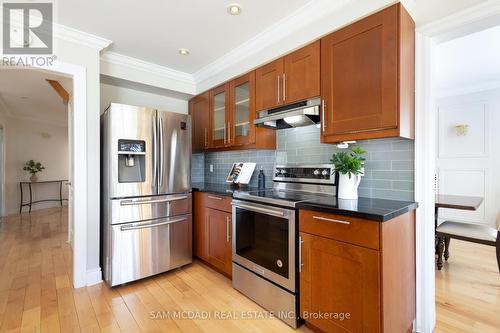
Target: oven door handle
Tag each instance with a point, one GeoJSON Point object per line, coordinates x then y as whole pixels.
{"type": "Point", "coordinates": [259, 209]}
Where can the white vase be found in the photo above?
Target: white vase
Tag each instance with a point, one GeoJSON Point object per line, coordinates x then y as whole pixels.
{"type": "Point", "coordinates": [348, 204]}
{"type": "Point", "coordinates": [348, 186]}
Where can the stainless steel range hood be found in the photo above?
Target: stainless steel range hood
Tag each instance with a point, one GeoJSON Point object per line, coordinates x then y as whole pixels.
{"type": "Point", "coordinates": [295, 115]}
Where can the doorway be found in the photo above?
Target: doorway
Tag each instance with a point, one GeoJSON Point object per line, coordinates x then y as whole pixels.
{"type": "Point", "coordinates": [77, 189]}
{"type": "Point", "coordinates": [429, 37]}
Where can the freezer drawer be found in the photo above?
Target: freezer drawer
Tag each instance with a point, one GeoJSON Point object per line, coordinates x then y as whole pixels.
{"type": "Point", "coordinates": [149, 208]}
{"type": "Point", "coordinates": [139, 250]}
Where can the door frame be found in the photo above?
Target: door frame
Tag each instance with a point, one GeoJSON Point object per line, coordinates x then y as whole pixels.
{"type": "Point", "coordinates": [471, 20]}
{"type": "Point", "coordinates": [2, 170]}
{"type": "Point", "coordinates": [78, 186]}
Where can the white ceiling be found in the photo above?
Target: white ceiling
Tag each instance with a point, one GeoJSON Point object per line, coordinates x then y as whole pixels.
{"type": "Point", "coordinates": [25, 94]}
{"type": "Point", "coordinates": [468, 63]}
{"type": "Point", "coordinates": [153, 30]}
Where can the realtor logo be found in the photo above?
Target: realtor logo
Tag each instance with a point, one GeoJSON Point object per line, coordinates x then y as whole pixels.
{"type": "Point", "coordinates": [27, 28]}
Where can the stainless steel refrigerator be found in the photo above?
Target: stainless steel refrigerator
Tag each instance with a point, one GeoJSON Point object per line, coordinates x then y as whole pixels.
{"type": "Point", "coordinates": [146, 223]}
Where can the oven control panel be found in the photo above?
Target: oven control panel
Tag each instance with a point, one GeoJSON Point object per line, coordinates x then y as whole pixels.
{"type": "Point", "coordinates": [305, 173]}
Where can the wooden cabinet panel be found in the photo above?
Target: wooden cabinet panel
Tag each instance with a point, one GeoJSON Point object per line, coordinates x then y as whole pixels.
{"type": "Point", "coordinates": [269, 85]}
{"type": "Point", "coordinates": [199, 111]}
{"type": "Point", "coordinates": [398, 267]}
{"type": "Point", "coordinates": [215, 201]}
{"type": "Point", "coordinates": [301, 78]}
{"type": "Point", "coordinates": [347, 229]}
{"type": "Point", "coordinates": [339, 278]}
{"type": "Point", "coordinates": [199, 226]}
{"type": "Point", "coordinates": [219, 240]}
{"type": "Point", "coordinates": [212, 237]}
{"type": "Point", "coordinates": [363, 78]}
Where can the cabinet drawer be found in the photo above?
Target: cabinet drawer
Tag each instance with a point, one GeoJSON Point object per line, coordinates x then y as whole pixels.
{"type": "Point", "coordinates": [215, 201]}
{"type": "Point", "coordinates": [346, 229]}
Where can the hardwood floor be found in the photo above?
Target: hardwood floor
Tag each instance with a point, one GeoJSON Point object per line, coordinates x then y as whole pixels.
{"type": "Point", "coordinates": [468, 290]}
{"type": "Point", "coordinates": [36, 293]}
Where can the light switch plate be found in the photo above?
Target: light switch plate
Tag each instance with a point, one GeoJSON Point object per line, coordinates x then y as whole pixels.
{"type": "Point", "coordinates": [211, 168]}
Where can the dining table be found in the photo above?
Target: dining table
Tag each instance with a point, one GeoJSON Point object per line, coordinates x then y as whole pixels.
{"type": "Point", "coordinates": [460, 202]}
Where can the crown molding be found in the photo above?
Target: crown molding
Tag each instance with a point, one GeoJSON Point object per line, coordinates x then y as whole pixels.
{"type": "Point", "coordinates": [173, 79]}
{"type": "Point", "coordinates": [134, 63]}
{"type": "Point", "coordinates": [80, 37]}
{"type": "Point", "coordinates": [469, 20]}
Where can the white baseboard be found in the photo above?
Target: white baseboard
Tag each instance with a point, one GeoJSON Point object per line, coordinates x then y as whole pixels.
{"type": "Point", "coordinates": [94, 276]}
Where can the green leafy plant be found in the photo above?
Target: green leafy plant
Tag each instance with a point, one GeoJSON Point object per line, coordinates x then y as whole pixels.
{"type": "Point", "coordinates": [349, 162]}
{"type": "Point", "coordinates": [33, 167]}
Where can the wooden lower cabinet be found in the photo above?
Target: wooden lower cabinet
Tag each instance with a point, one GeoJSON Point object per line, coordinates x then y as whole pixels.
{"type": "Point", "coordinates": [218, 236]}
{"type": "Point", "coordinates": [339, 279]}
{"type": "Point", "coordinates": [346, 287]}
{"type": "Point", "coordinates": [212, 231]}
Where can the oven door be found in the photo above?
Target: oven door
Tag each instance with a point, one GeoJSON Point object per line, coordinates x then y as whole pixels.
{"type": "Point", "coordinates": [264, 241]}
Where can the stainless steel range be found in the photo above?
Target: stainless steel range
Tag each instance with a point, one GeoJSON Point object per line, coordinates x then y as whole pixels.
{"type": "Point", "coordinates": [265, 229]}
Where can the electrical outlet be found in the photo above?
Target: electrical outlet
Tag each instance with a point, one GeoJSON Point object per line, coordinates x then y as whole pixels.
{"type": "Point", "coordinates": [211, 168]}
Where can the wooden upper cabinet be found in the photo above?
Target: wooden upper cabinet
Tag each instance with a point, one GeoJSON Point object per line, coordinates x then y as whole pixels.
{"type": "Point", "coordinates": [242, 130]}
{"type": "Point", "coordinates": [301, 78]}
{"type": "Point", "coordinates": [289, 79]}
{"type": "Point", "coordinates": [367, 78]}
{"type": "Point", "coordinates": [269, 85]}
{"type": "Point", "coordinates": [199, 111]}
{"type": "Point", "coordinates": [219, 116]}
{"type": "Point", "coordinates": [223, 118]}
{"type": "Point", "coordinates": [338, 277]}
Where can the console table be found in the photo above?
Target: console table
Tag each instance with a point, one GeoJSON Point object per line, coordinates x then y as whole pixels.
{"type": "Point", "coordinates": [32, 185]}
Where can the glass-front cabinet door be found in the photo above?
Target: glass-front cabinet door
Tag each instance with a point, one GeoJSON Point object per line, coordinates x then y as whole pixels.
{"type": "Point", "coordinates": [241, 128]}
{"type": "Point", "coordinates": [219, 116]}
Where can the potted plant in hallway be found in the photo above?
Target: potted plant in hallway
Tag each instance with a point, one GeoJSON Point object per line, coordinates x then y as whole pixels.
{"type": "Point", "coordinates": [33, 168]}
{"type": "Point", "coordinates": [349, 165]}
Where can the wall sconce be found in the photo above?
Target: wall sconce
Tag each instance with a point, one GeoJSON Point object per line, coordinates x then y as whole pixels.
{"type": "Point", "coordinates": [461, 130]}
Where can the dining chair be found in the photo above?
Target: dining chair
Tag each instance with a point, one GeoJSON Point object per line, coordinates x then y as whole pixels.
{"type": "Point", "coordinates": [475, 233]}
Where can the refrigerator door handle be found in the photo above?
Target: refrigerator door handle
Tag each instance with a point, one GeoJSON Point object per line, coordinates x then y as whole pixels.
{"type": "Point", "coordinates": [155, 155]}
{"type": "Point", "coordinates": [151, 225]}
{"type": "Point", "coordinates": [161, 152]}
{"type": "Point", "coordinates": [151, 201]}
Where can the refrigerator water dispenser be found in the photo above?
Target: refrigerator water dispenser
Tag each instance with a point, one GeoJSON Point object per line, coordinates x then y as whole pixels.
{"type": "Point", "coordinates": [131, 161]}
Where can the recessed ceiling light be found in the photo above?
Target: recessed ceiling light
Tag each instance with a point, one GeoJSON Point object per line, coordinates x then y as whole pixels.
{"type": "Point", "coordinates": [183, 51]}
{"type": "Point", "coordinates": [234, 9]}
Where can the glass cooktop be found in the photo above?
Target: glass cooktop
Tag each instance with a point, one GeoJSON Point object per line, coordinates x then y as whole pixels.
{"type": "Point", "coordinates": [276, 196]}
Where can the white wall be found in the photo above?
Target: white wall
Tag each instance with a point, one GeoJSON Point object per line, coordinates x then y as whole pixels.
{"type": "Point", "coordinates": [116, 94]}
{"type": "Point", "coordinates": [24, 141]}
{"type": "Point", "coordinates": [468, 165]}
{"type": "Point", "coordinates": [468, 64]}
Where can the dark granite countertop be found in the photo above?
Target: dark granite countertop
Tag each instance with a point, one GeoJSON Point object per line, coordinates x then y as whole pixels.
{"type": "Point", "coordinates": [380, 210]}
{"type": "Point", "coordinates": [220, 189]}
